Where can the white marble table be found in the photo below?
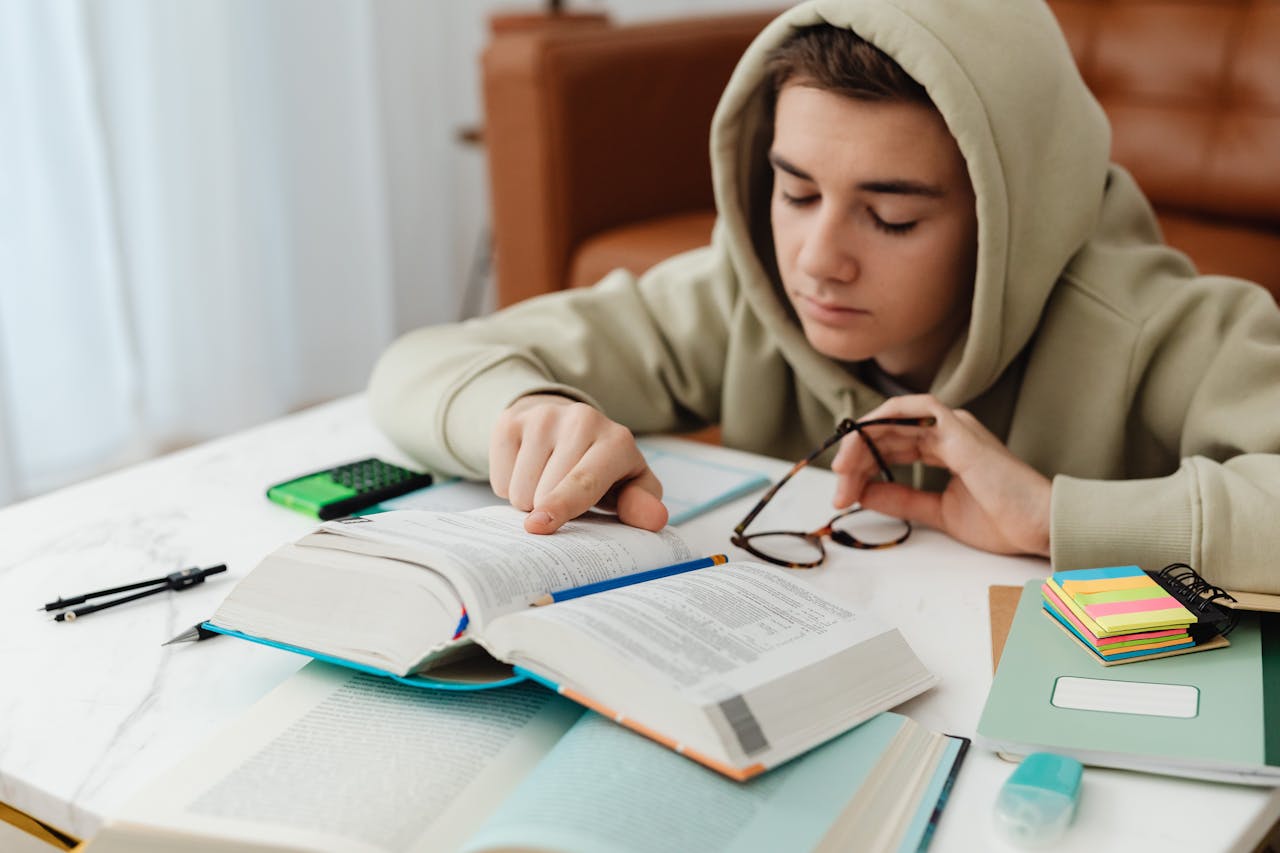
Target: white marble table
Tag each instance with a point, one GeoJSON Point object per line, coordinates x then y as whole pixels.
{"type": "Point", "coordinates": [90, 711]}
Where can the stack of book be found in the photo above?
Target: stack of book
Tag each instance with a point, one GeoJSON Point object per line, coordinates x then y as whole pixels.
{"type": "Point", "coordinates": [761, 702]}
{"type": "Point", "coordinates": [736, 665]}
{"type": "Point", "coordinates": [1122, 614]}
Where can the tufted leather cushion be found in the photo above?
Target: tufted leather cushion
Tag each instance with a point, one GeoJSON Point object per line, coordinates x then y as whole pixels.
{"type": "Point", "coordinates": [1192, 89]}
{"type": "Point", "coordinates": [636, 246]}
{"type": "Point", "coordinates": [591, 129]}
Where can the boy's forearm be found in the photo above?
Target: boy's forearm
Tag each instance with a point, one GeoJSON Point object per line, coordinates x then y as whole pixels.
{"type": "Point", "coordinates": [648, 353]}
{"type": "Point", "coordinates": [1096, 523]}
{"type": "Point", "coordinates": [441, 410]}
{"type": "Point", "coordinates": [1217, 517]}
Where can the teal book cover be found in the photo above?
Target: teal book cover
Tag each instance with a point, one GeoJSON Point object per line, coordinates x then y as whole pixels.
{"type": "Point", "coordinates": [662, 802]}
{"type": "Point", "coordinates": [1213, 715]}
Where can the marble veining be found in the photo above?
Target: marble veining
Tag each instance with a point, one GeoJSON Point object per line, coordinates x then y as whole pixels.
{"type": "Point", "coordinates": [91, 710]}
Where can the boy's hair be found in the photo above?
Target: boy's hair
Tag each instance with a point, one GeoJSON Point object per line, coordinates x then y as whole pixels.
{"type": "Point", "coordinates": [839, 60]}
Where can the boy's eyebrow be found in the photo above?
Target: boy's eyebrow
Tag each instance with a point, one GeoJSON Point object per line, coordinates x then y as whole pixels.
{"type": "Point", "coordinates": [895, 186]}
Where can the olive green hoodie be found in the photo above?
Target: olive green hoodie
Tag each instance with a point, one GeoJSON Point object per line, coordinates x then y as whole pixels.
{"type": "Point", "coordinates": [1150, 395]}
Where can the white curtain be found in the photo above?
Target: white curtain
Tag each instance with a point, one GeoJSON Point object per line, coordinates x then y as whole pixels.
{"type": "Point", "coordinates": [211, 212]}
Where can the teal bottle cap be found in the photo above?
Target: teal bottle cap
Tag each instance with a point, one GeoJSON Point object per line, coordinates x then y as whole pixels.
{"type": "Point", "coordinates": [1038, 801]}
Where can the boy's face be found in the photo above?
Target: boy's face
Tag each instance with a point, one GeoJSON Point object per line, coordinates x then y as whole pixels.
{"type": "Point", "coordinates": [874, 227]}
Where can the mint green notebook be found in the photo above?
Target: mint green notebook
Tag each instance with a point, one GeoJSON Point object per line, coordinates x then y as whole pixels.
{"type": "Point", "coordinates": [1214, 715]}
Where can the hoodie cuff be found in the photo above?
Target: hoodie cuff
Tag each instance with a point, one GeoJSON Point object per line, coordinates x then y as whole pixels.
{"type": "Point", "coordinates": [469, 414]}
{"type": "Point", "coordinates": [1148, 523]}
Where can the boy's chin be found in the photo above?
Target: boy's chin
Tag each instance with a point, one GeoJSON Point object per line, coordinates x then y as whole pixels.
{"type": "Point", "coordinates": [837, 348]}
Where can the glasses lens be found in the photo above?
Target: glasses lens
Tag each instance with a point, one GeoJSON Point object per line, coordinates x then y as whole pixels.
{"type": "Point", "coordinates": [862, 529]}
{"type": "Point", "coordinates": [789, 548]}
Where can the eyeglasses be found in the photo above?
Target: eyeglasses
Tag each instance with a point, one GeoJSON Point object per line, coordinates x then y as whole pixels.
{"type": "Point", "coordinates": [796, 549]}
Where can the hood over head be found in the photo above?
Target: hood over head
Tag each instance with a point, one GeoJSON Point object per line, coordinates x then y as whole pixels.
{"type": "Point", "coordinates": [1035, 141]}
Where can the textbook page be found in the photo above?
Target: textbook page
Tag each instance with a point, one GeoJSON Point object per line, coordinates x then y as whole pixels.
{"type": "Point", "coordinates": [605, 789]}
{"type": "Point", "coordinates": [496, 565]}
{"type": "Point", "coordinates": [774, 665]}
{"type": "Point", "coordinates": [336, 760]}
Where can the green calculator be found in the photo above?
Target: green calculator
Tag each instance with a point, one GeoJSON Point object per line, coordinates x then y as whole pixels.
{"type": "Point", "coordinates": [348, 488]}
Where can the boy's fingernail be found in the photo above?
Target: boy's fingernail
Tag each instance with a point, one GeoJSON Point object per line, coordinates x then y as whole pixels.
{"type": "Point", "coordinates": [541, 517]}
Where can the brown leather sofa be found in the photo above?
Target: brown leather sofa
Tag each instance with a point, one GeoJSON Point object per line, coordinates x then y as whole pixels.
{"type": "Point", "coordinates": [596, 133]}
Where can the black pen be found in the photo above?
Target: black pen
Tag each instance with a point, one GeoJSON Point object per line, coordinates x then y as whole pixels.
{"type": "Point", "coordinates": [194, 634]}
{"type": "Point", "coordinates": [177, 581]}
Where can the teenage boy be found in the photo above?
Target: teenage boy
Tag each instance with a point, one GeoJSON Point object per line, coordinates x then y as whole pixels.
{"type": "Point", "coordinates": [917, 218]}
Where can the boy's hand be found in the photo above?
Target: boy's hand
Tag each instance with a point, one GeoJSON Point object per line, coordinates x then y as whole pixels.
{"type": "Point", "coordinates": [994, 500]}
{"type": "Point", "coordinates": [556, 458]}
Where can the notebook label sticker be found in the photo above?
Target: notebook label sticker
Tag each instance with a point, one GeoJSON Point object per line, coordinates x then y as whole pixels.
{"type": "Point", "coordinates": [1126, 697]}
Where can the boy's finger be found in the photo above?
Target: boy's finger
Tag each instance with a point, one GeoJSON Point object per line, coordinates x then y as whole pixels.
{"type": "Point", "coordinates": [851, 447]}
{"type": "Point", "coordinates": [904, 502]}
{"type": "Point", "coordinates": [906, 406]}
{"type": "Point", "coordinates": [503, 448]}
{"type": "Point", "coordinates": [640, 503]}
{"type": "Point", "coordinates": [566, 454]}
{"type": "Point", "coordinates": [848, 487]}
{"type": "Point", "coordinates": [902, 448]}
{"type": "Point", "coordinates": [583, 487]}
{"type": "Point", "coordinates": [526, 472]}
{"type": "Point", "coordinates": [853, 457]}
{"type": "Point", "coordinates": [577, 492]}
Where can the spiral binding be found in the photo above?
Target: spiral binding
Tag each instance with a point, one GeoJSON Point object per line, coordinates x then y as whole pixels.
{"type": "Point", "coordinates": [1185, 584]}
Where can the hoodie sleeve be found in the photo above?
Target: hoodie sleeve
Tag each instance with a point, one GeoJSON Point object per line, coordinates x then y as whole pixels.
{"type": "Point", "coordinates": [647, 352]}
{"type": "Point", "coordinates": [1206, 388]}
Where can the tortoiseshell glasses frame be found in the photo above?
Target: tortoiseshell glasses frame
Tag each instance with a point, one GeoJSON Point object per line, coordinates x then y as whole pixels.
{"type": "Point", "coordinates": [813, 539]}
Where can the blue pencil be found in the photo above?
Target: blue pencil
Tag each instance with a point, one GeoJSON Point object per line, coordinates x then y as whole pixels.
{"type": "Point", "coordinates": [628, 580]}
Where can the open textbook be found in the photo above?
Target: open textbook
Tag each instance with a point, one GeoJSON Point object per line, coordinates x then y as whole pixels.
{"type": "Point", "coordinates": [739, 666]}
{"type": "Point", "coordinates": [337, 761]}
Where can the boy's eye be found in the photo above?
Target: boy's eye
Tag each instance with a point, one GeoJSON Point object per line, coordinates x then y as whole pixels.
{"type": "Point", "coordinates": [891, 227]}
{"type": "Point", "coordinates": [798, 201]}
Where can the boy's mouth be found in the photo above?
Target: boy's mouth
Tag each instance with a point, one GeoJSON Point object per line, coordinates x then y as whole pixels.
{"type": "Point", "coordinates": [828, 311]}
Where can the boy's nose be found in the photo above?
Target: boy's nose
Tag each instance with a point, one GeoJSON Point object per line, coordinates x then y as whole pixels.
{"type": "Point", "coordinates": [827, 255]}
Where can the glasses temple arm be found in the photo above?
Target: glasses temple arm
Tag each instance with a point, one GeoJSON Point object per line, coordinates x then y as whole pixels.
{"type": "Point", "coordinates": [846, 426]}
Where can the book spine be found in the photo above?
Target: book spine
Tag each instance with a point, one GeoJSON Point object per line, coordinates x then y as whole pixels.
{"type": "Point", "coordinates": [737, 774]}
{"type": "Point", "coordinates": [1269, 626]}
